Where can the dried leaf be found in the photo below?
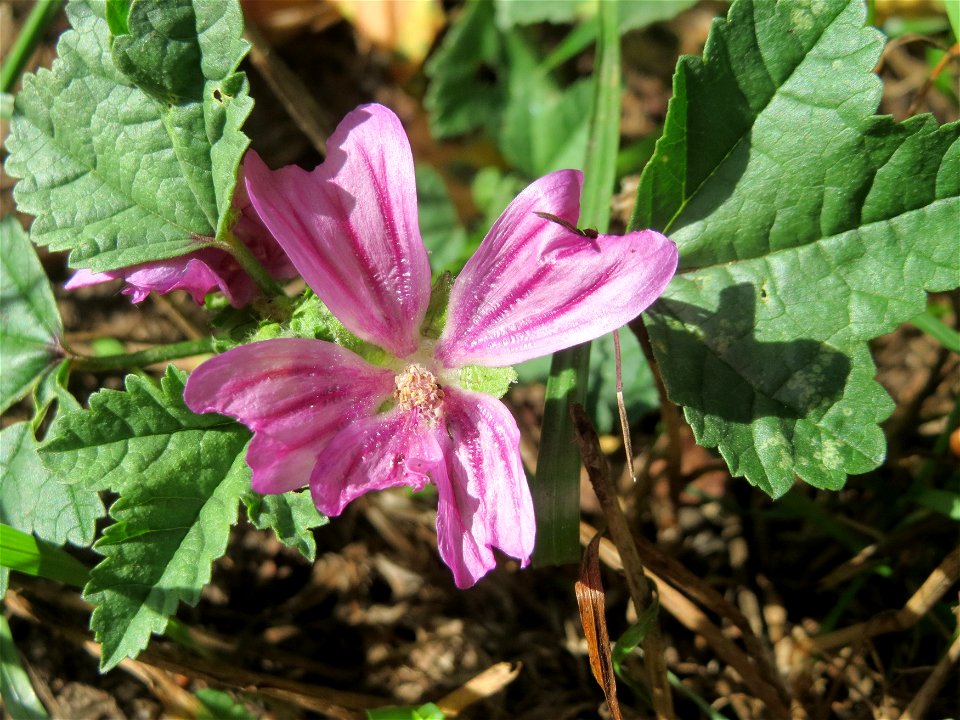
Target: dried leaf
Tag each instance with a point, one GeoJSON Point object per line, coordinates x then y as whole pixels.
{"type": "Point", "coordinates": [591, 601]}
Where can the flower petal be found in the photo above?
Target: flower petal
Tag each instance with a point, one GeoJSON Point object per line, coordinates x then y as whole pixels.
{"type": "Point", "coordinates": [484, 500]}
{"type": "Point", "coordinates": [85, 278]}
{"type": "Point", "coordinates": [535, 286]}
{"type": "Point", "coordinates": [250, 229]}
{"type": "Point", "coordinates": [198, 273]}
{"type": "Point", "coordinates": [205, 270]}
{"type": "Point", "coordinates": [350, 227]}
{"type": "Point", "coordinates": [295, 395]}
{"type": "Point", "coordinates": [374, 453]}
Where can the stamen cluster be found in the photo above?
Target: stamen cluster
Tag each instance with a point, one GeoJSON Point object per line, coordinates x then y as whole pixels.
{"type": "Point", "coordinates": [418, 390]}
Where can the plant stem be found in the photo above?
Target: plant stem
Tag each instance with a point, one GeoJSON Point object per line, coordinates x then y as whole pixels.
{"type": "Point", "coordinates": [157, 354]}
{"type": "Point", "coordinates": [241, 253]}
{"type": "Point", "coordinates": [598, 470]}
{"type": "Point", "coordinates": [668, 411]}
{"type": "Point", "coordinates": [40, 17]}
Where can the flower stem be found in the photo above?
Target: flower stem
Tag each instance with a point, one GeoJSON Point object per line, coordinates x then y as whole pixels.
{"type": "Point", "coordinates": [241, 253]}
{"type": "Point", "coordinates": [160, 353]}
{"type": "Point", "coordinates": [39, 19]}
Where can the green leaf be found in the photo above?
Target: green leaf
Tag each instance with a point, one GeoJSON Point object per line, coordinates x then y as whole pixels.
{"type": "Point", "coordinates": [123, 437]}
{"type": "Point", "coordinates": [118, 16]}
{"type": "Point", "coordinates": [35, 501]}
{"type": "Point", "coordinates": [27, 554]}
{"type": "Point", "coordinates": [132, 156]}
{"type": "Point", "coordinates": [465, 92]}
{"type": "Point", "coordinates": [30, 330]}
{"type": "Point", "coordinates": [443, 235]}
{"type": "Point", "coordinates": [805, 226]}
{"type": "Point", "coordinates": [291, 516]}
{"type": "Point", "coordinates": [634, 635]}
{"type": "Point", "coordinates": [640, 13]}
{"type": "Point", "coordinates": [953, 14]}
{"type": "Point", "coordinates": [945, 502]}
{"type": "Point", "coordinates": [482, 77]}
{"type": "Point", "coordinates": [492, 192]}
{"type": "Point", "coordinates": [544, 127]}
{"type": "Point", "coordinates": [428, 711]}
{"type": "Point", "coordinates": [52, 388]}
{"type": "Point", "coordinates": [520, 12]}
{"type": "Point", "coordinates": [633, 13]}
{"type": "Point", "coordinates": [218, 705]}
{"type": "Point", "coordinates": [639, 391]}
{"type": "Point", "coordinates": [19, 698]}
{"type": "Point", "coordinates": [179, 477]}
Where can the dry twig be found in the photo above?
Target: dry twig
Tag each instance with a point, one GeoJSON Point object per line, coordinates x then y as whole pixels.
{"type": "Point", "coordinates": [695, 620]}
{"type": "Point", "coordinates": [688, 583]}
{"type": "Point", "coordinates": [928, 692]}
{"type": "Point", "coordinates": [933, 588]}
{"type": "Point", "coordinates": [289, 90]}
{"type": "Point", "coordinates": [599, 473]}
{"type": "Point", "coordinates": [951, 54]}
{"type": "Point", "coordinates": [335, 703]}
{"type": "Point", "coordinates": [491, 681]}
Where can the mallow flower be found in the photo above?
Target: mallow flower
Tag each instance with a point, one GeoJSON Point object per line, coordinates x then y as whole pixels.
{"type": "Point", "coordinates": [325, 416]}
{"type": "Point", "coordinates": [205, 270]}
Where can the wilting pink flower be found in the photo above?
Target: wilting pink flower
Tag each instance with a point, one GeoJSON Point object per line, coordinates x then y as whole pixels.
{"type": "Point", "coordinates": [205, 270]}
{"type": "Point", "coordinates": [322, 414]}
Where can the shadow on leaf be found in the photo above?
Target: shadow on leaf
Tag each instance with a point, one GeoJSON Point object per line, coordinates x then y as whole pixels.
{"type": "Point", "coordinates": [712, 362]}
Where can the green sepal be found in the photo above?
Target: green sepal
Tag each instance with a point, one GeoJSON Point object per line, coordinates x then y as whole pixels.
{"type": "Point", "coordinates": [490, 380]}
{"type": "Point", "coordinates": [303, 317]}
{"type": "Point", "coordinates": [436, 316]}
{"type": "Point", "coordinates": [313, 320]}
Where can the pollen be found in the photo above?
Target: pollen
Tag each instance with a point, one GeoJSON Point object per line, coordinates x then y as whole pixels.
{"type": "Point", "coordinates": [418, 391]}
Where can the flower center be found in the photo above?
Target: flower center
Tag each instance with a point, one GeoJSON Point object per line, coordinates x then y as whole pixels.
{"type": "Point", "coordinates": [418, 390]}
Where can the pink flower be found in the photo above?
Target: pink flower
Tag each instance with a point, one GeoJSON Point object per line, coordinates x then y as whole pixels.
{"type": "Point", "coordinates": [205, 270]}
{"type": "Point", "coordinates": [324, 415]}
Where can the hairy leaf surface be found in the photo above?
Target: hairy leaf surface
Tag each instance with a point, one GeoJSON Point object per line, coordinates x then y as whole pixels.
{"type": "Point", "coordinates": [806, 227]}
{"type": "Point", "coordinates": [292, 516]}
{"type": "Point", "coordinates": [33, 500]}
{"type": "Point", "coordinates": [30, 326]}
{"type": "Point", "coordinates": [179, 476]}
{"type": "Point", "coordinates": [128, 148]}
